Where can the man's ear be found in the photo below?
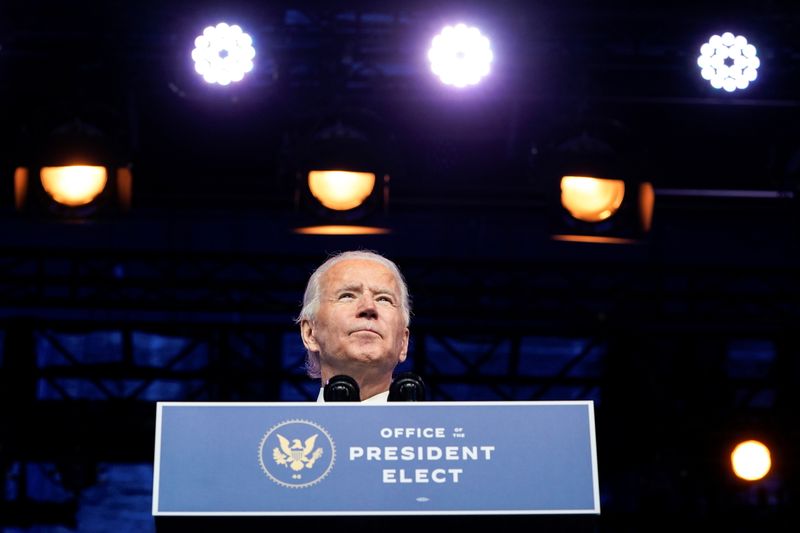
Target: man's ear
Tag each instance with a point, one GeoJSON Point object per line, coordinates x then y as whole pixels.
{"type": "Point", "coordinates": [404, 349]}
{"type": "Point", "coordinates": [307, 333]}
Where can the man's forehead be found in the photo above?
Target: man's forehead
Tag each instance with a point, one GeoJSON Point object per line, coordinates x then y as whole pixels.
{"type": "Point", "coordinates": [360, 272]}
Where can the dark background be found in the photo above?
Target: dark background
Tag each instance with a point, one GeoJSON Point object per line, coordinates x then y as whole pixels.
{"type": "Point", "coordinates": [685, 338]}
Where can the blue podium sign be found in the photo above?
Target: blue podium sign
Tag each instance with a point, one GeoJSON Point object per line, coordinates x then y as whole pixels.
{"type": "Point", "coordinates": [412, 458]}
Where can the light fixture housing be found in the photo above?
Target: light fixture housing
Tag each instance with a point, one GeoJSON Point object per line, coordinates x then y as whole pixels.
{"type": "Point", "coordinates": [595, 192]}
{"type": "Point", "coordinates": [74, 173]}
{"type": "Point", "coordinates": [342, 173]}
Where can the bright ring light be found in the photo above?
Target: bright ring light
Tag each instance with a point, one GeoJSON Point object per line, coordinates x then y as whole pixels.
{"type": "Point", "coordinates": [728, 62]}
{"type": "Point", "coordinates": [460, 55]}
{"type": "Point", "coordinates": [223, 54]}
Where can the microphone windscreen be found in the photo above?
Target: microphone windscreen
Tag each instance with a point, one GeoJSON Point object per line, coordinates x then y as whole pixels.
{"type": "Point", "coordinates": [407, 387]}
{"type": "Point", "coordinates": [341, 388]}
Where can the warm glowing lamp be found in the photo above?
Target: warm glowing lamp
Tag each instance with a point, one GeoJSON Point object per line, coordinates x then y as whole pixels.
{"type": "Point", "coordinates": [74, 185]}
{"type": "Point", "coordinates": [74, 170]}
{"type": "Point", "coordinates": [751, 460]}
{"type": "Point", "coordinates": [342, 168]}
{"type": "Point", "coordinates": [591, 199]}
{"type": "Point", "coordinates": [597, 191]}
{"type": "Point", "coordinates": [340, 190]}
{"type": "Point", "coordinates": [341, 229]}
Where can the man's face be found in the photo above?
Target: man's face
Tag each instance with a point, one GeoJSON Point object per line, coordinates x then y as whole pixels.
{"type": "Point", "coordinates": [359, 324]}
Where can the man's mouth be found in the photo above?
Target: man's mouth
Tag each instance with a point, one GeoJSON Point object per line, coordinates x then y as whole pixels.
{"type": "Point", "coordinates": [365, 330]}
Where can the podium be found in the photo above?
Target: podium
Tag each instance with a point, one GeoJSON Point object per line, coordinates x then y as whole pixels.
{"type": "Point", "coordinates": [395, 466]}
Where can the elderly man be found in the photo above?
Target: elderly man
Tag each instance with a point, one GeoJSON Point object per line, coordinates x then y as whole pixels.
{"type": "Point", "coordinates": [354, 321]}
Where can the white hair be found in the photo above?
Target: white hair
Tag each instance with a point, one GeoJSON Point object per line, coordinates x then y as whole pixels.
{"type": "Point", "coordinates": [312, 295]}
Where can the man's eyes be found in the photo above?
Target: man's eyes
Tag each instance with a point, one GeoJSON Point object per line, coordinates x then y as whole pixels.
{"type": "Point", "coordinates": [380, 298]}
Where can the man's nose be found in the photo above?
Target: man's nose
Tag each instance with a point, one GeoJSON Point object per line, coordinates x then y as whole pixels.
{"type": "Point", "coordinates": [367, 307]}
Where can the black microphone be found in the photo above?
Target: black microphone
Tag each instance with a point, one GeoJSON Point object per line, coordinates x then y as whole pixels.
{"type": "Point", "coordinates": [341, 388]}
{"type": "Point", "coordinates": [407, 387]}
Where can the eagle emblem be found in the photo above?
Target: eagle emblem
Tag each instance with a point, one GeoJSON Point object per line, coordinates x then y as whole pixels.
{"type": "Point", "coordinates": [296, 463]}
{"type": "Point", "coordinates": [295, 454]}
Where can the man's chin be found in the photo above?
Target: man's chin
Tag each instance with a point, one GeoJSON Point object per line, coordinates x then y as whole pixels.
{"type": "Point", "coordinates": [368, 357]}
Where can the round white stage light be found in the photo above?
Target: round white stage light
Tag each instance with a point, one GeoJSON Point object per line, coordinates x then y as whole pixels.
{"type": "Point", "coordinates": [223, 54]}
{"type": "Point", "coordinates": [460, 55]}
{"type": "Point", "coordinates": [728, 62]}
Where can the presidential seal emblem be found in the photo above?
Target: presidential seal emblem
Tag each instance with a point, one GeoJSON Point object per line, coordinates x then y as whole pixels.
{"type": "Point", "coordinates": [296, 453]}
